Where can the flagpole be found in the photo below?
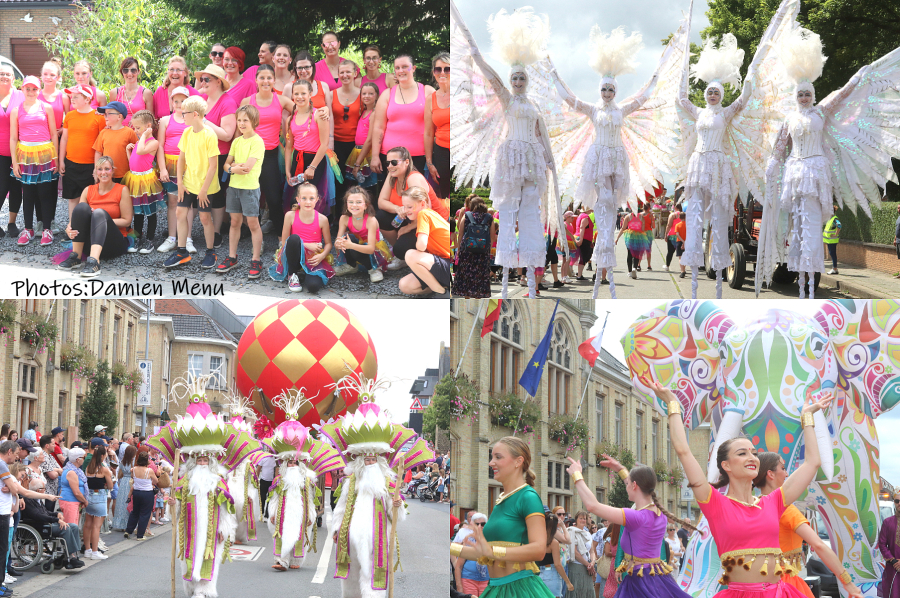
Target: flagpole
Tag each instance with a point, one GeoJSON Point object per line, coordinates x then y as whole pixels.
{"type": "Point", "coordinates": [521, 411]}
{"type": "Point", "coordinates": [588, 381]}
{"type": "Point", "coordinates": [471, 332]}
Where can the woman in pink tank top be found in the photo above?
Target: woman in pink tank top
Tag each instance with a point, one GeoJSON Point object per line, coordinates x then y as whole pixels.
{"type": "Point", "coordinates": [134, 95]}
{"type": "Point", "coordinates": [50, 95]}
{"type": "Point", "coordinates": [271, 108]}
{"type": "Point", "coordinates": [400, 118]}
{"type": "Point", "coordinates": [305, 146]}
{"type": "Point", "coordinates": [373, 74]}
{"type": "Point", "coordinates": [303, 257]}
{"type": "Point", "coordinates": [10, 98]}
{"type": "Point", "coordinates": [84, 76]}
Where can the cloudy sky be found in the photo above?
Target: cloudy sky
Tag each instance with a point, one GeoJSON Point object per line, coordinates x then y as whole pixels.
{"type": "Point", "coordinates": [624, 313]}
{"type": "Point", "coordinates": [407, 337]}
{"type": "Point", "coordinates": [570, 34]}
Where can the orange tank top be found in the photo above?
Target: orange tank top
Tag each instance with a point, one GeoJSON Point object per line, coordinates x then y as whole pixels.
{"type": "Point", "coordinates": [437, 204]}
{"type": "Point", "coordinates": [345, 118]}
{"type": "Point", "coordinates": [318, 100]}
{"type": "Point", "coordinates": [441, 119]}
{"type": "Point", "coordinates": [109, 201]}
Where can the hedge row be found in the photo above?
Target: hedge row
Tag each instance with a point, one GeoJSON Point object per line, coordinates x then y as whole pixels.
{"type": "Point", "coordinates": [879, 229]}
{"type": "Point", "coordinates": [458, 197]}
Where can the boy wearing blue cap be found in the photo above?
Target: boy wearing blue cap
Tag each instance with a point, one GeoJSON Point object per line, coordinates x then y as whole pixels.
{"type": "Point", "coordinates": [114, 140]}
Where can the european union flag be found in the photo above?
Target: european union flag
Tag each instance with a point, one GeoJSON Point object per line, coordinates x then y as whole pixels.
{"type": "Point", "coordinates": [531, 377]}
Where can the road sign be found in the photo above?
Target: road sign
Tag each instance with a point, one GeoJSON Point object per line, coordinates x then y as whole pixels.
{"type": "Point", "coordinates": [686, 493]}
{"type": "Point", "coordinates": [416, 404]}
{"type": "Point", "coordinates": [145, 367]}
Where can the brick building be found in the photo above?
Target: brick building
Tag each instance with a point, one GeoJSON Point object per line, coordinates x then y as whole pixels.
{"type": "Point", "coordinates": [22, 23]}
{"type": "Point", "coordinates": [611, 410]}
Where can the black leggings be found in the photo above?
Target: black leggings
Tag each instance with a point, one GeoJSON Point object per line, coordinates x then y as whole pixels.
{"type": "Point", "coordinates": [9, 185]}
{"type": "Point", "coordinates": [292, 252]}
{"type": "Point", "coordinates": [41, 199]}
{"type": "Point", "coordinates": [631, 261]}
{"type": "Point", "coordinates": [355, 258]}
{"type": "Point", "coordinates": [271, 184]}
{"type": "Point", "coordinates": [670, 251]}
{"type": "Point", "coordinates": [97, 228]}
{"type": "Point", "coordinates": [151, 225]}
{"type": "Point", "coordinates": [440, 157]}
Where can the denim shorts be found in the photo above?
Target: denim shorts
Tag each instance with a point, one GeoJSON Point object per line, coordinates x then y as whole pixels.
{"type": "Point", "coordinates": [552, 580]}
{"type": "Point", "coordinates": [96, 503]}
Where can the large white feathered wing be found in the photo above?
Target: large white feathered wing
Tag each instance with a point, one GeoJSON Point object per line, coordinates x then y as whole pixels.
{"type": "Point", "coordinates": [750, 138]}
{"type": "Point", "coordinates": [862, 134]}
{"type": "Point", "coordinates": [650, 133]}
{"type": "Point", "coordinates": [477, 119]}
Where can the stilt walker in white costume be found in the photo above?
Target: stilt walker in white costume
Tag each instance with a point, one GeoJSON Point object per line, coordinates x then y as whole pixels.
{"type": "Point", "coordinates": [727, 146]}
{"type": "Point", "coordinates": [362, 521]}
{"type": "Point", "coordinates": [608, 173]}
{"type": "Point", "coordinates": [204, 515]}
{"type": "Point", "coordinates": [294, 496]}
{"type": "Point", "coordinates": [243, 481]}
{"type": "Point", "coordinates": [501, 129]}
{"type": "Point", "coordinates": [826, 152]}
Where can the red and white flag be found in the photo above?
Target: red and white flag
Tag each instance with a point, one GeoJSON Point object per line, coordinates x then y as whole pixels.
{"type": "Point", "coordinates": [590, 349]}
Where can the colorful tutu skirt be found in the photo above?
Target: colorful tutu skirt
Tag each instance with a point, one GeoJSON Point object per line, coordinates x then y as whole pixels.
{"type": "Point", "coordinates": [521, 584]}
{"type": "Point", "coordinates": [637, 243]}
{"type": "Point", "coordinates": [649, 586]}
{"type": "Point", "coordinates": [760, 590]}
{"type": "Point", "coordinates": [36, 162]}
{"type": "Point", "coordinates": [383, 253]}
{"type": "Point", "coordinates": [371, 179]}
{"type": "Point", "coordinates": [278, 271]}
{"type": "Point", "coordinates": [146, 191]}
{"type": "Point", "coordinates": [172, 168]}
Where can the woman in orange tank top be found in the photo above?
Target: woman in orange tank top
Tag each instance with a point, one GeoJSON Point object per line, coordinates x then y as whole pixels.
{"type": "Point", "coordinates": [101, 221]}
{"type": "Point", "coordinates": [795, 529]}
{"type": "Point", "coordinates": [437, 126]}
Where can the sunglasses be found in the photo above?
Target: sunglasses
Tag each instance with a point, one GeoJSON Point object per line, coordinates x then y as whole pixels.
{"type": "Point", "coordinates": [897, 501]}
{"type": "Point", "coordinates": [131, 70]}
{"type": "Point", "coordinates": [481, 523]}
{"type": "Point", "coordinates": [205, 79]}
{"type": "Point", "coordinates": [393, 162]}
{"type": "Point", "coordinates": [442, 69]}
{"type": "Point", "coordinates": [346, 113]}
{"type": "Point", "coordinates": [217, 54]}
{"type": "Point", "coordinates": [561, 514]}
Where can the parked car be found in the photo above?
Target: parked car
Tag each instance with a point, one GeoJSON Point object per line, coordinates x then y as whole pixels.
{"type": "Point", "coordinates": [17, 74]}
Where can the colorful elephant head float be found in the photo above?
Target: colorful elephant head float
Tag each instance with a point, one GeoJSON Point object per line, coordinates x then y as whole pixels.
{"type": "Point", "coordinates": [753, 379]}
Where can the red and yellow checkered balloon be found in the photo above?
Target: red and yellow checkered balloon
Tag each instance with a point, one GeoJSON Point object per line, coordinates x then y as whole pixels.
{"type": "Point", "coordinates": [294, 344]}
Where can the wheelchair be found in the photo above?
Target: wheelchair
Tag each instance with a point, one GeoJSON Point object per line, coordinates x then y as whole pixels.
{"type": "Point", "coordinates": [34, 548]}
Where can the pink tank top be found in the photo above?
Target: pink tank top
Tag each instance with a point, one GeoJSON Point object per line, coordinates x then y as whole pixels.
{"type": "Point", "coordinates": [135, 105]}
{"type": "Point", "coordinates": [362, 233]}
{"type": "Point", "coordinates": [306, 134]}
{"type": "Point", "coordinates": [161, 100]}
{"type": "Point", "coordinates": [140, 162]}
{"type": "Point", "coordinates": [324, 75]}
{"type": "Point", "coordinates": [174, 131]}
{"type": "Point", "coordinates": [362, 129]}
{"type": "Point", "coordinates": [57, 104]}
{"type": "Point", "coordinates": [269, 121]}
{"type": "Point", "coordinates": [405, 124]}
{"type": "Point", "coordinates": [15, 100]}
{"type": "Point", "coordinates": [381, 82]}
{"type": "Point", "coordinates": [310, 233]}
{"type": "Point", "coordinates": [33, 127]}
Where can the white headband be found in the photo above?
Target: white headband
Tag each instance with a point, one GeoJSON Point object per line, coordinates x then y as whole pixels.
{"type": "Point", "coordinates": [716, 85]}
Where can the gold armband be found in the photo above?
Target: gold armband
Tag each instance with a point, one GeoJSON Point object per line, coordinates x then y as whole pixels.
{"type": "Point", "coordinates": [845, 578]}
{"type": "Point", "coordinates": [500, 552]}
{"type": "Point", "coordinates": [806, 419]}
{"type": "Point", "coordinates": [577, 477]}
{"type": "Point", "coordinates": [455, 549]}
{"type": "Point", "coordinates": [675, 408]}
{"type": "Point", "coordinates": [622, 473]}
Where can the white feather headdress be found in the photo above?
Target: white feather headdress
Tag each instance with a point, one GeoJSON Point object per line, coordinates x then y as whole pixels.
{"type": "Point", "coordinates": [519, 38]}
{"type": "Point", "coordinates": [613, 54]}
{"type": "Point", "coordinates": [802, 55]}
{"type": "Point", "coordinates": [721, 65]}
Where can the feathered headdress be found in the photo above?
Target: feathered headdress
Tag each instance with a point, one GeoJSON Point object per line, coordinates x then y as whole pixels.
{"type": "Point", "coordinates": [290, 435]}
{"type": "Point", "coordinates": [242, 414]}
{"type": "Point", "coordinates": [519, 38]}
{"type": "Point", "coordinates": [802, 58]}
{"type": "Point", "coordinates": [718, 66]}
{"type": "Point", "coordinates": [613, 55]}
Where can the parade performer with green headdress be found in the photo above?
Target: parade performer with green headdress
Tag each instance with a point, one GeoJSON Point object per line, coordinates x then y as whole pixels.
{"type": "Point", "coordinates": [294, 495]}
{"type": "Point", "coordinates": [204, 517]}
{"type": "Point", "coordinates": [243, 481]}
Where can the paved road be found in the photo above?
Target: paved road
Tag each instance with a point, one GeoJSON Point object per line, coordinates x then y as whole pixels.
{"type": "Point", "coordinates": [658, 284]}
{"type": "Point", "coordinates": [141, 569]}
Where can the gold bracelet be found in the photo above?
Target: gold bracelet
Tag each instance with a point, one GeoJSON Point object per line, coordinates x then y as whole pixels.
{"type": "Point", "coordinates": [577, 477]}
{"type": "Point", "coordinates": [455, 549]}
{"type": "Point", "coordinates": [500, 552]}
{"type": "Point", "coordinates": [675, 408]}
{"type": "Point", "coordinates": [845, 578]}
{"type": "Point", "coordinates": [623, 473]}
{"type": "Point", "coordinates": [806, 419]}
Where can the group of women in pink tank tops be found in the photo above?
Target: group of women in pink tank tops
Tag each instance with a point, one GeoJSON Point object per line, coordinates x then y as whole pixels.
{"type": "Point", "coordinates": [309, 110]}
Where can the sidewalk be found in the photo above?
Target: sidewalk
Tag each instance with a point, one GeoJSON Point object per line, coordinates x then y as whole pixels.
{"type": "Point", "coordinates": [861, 283]}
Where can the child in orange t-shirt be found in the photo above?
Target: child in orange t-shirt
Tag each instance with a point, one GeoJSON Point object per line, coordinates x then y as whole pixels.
{"type": "Point", "coordinates": [430, 260]}
{"type": "Point", "coordinates": [81, 127]}
{"type": "Point", "coordinates": [114, 141]}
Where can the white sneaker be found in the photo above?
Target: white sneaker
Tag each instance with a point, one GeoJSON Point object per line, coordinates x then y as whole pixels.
{"type": "Point", "coordinates": [665, 268]}
{"type": "Point", "coordinates": [832, 271]}
{"type": "Point", "coordinates": [267, 227]}
{"type": "Point", "coordinates": [190, 246]}
{"type": "Point", "coordinates": [87, 553]}
{"type": "Point", "coordinates": [170, 244]}
{"type": "Point", "coordinates": [101, 545]}
{"type": "Point", "coordinates": [396, 264]}
{"type": "Point", "coordinates": [10, 579]}
{"type": "Point", "coordinates": [294, 284]}
{"type": "Point", "coordinates": [375, 275]}
{"type": "Point", "coordinates": [344, 269]}
{"type": "Point", "coordinates": [634, 274]}
{"type": "Point", "coordinates": [98, 556]}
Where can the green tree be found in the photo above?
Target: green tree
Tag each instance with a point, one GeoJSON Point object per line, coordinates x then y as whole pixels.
{"type": "Point", "coordinates": [99, 405]}
{"type": "Point", "coordinates": [618, 496]}
{"type": "Point", "coordinates": [109, 30]}
{"type": "Point", "coordinates": [437, 414]}
{"type": "Point", "coordinates": [420, 28]}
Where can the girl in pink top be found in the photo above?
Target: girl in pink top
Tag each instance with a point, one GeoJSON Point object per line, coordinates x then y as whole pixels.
{"type": "Point", "coordinates": [84, 76]}
{"type": "Point", "coordinates": [50, 95]}
{"type": "Point", "coordinates": [142, 182]}
{"type": "Point", "coordinates": [369, 251]}
{"type": "Point", "coordinates": [303, 257]}
{"type": "Point", "coordinates": [134, 95]}
{"type": "Point", "coordinates": [170, 130]}
{"type": "Point", "coordinates": [744, 527]}
{"type": "Point", "coordinates": [271, 108]}
{"type": "Point", "coordinates": [306, 143]}
{"type": "Point", "coordinates": [10, 99]}
{"type": "Point", "coordinates": [358, 160]}
{"type": "Point", "coordinates": [373, 74]}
